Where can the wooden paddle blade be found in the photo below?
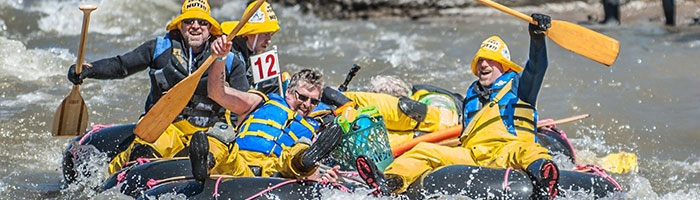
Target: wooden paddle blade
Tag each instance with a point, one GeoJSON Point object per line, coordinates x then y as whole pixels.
{"type": "Point", "coordinates": [584, 41]}
{"type": "Point", "coordinates": [71, 116]}
{"type": "Point", "coordinates": [162, 114]}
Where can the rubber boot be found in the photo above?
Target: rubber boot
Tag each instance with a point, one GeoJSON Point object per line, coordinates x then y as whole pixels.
{"type": "Point", "coordinates": [143, 151]}
{"type": "Point", "coordinates": [199, 156]}
{"type": "Point", "coordinates": [382, 185]}
{"type": "Point", "coordinates": [669, 12]}
{"type": "Point", "coordinates": [612, 11]}
{"type": "Point", "coordinates": [545, 177]}
{"type": "Point", "coordinates": [327, 140]}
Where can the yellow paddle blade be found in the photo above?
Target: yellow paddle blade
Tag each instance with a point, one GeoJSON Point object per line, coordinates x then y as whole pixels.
{"type": "Point", "coordinates": [71, 116]}
{"type": "Point", "coordinates": [584, 41]}
{"type": "Point", "coordinates": [573, 37]}
{"type": "Point", "coordinates": [619, 163]}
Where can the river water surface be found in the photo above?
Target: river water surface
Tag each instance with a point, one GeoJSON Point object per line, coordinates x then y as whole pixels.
{"type": "Point", "coordinates": [646, 103]}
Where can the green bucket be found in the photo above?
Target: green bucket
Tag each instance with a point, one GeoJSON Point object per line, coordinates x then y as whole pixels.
{"type": "Point", "coordinates": [367, 136]}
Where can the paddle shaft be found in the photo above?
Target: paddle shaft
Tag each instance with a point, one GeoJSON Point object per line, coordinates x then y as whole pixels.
{"type": "Point", "coordinates": [510, 11]}
{"type": "Point", "coordinates": [83, 36]}
{"type": "Point", "coordinates": [166, 109]}
{"type": "Point", "coordinates": [348, 78]}
{"type": "Point", "coordinates": [573, 37]}
{"type": "Point", "coordinates": [455, 141]}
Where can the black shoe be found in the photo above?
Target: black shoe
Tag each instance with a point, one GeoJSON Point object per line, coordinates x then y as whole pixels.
{"type": "Point", "coordinates": [545, 176]}
{"type": "Point", "coordinates": [199, 156]}
{"type": "Point", "coordinates": [143, 151]}
{"type": "Point", "coordinates": [375, 179]}
{"type": "Point", "coordinates": [327, 140]}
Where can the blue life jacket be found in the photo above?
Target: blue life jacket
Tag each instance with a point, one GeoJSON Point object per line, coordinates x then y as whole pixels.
{"type": "Point", "coordinates": [510, 106]}
{"type": "Point", "coordinates": [273, 127]}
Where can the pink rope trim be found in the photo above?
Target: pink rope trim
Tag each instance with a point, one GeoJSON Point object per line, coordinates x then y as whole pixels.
{"type": "Point", "coordinates": [216, 187]}
{"type": "Point", "coordinates": [349, 173]}
{"type": "Point", "coordinates": [271, 188]}
{"type": "Point", "coordinates": [335, 185]}
{"type": "Point", "coordinates": [95, 128]}
{"type": "Point", "coordinates": [324, 182]}
{"type": "Point", "coordinates": [152, 183]}
{"type": "Point", "coordinates": [597, 170]}
{"type": "Point", "coordinates": [563, 135]}
{"type": "Point", "coordinates": [505, 179]}
{"type": "Point", "coordinates": [121, 177]}
{"type": "Point", "coordinates": [141, 160]}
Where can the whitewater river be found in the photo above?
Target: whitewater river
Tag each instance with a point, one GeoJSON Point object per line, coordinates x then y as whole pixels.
{"type": "Point", "coordinates": [646, 103]}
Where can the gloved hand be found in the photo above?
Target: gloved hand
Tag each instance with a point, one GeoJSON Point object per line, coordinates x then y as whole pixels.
{"type": "Point", "coordinates": [543, 23]}
{"type": "Point", "coordinates": [77, 79]}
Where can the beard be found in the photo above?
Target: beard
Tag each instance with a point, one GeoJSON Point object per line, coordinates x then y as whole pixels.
{"type": "Point", "coordinates": [195, 41]}
{"type": "Point", "coordinates": [195, 38]}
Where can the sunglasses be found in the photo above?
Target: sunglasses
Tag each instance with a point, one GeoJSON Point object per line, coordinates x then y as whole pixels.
{"type": "Point", "coordinates": [200, 21]}
{"type": "Point", "coordinates": [304, 98]}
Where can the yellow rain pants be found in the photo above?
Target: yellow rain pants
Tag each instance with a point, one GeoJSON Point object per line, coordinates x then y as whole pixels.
{"type": "Point", "coordinates": [232, 161]}
{"type": "Point", "coordinates": [173, 140]}
{"type": "Point", "coordinates": [486, 142]}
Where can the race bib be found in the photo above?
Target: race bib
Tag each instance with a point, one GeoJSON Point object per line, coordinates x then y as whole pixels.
{"type": "Point", "coordinates": [265, 66]}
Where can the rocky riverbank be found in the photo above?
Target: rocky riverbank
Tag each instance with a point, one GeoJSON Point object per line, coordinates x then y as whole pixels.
{"type": "Point", "coordinates": [570, 10]}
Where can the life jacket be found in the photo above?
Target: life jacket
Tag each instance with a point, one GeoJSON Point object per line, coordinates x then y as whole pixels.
{"type": "Point", "coordinates": [517, 116]}
{"type": "Point", "coordinates": [170, 68]}
{"type": "Point", "coordinates": [273, 127]}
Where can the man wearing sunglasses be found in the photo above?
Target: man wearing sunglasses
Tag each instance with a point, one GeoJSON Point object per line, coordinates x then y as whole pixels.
{"type": "Point", "coordinates": [169, 59]}
{"type": "Point", "coordinates": [274, 132]}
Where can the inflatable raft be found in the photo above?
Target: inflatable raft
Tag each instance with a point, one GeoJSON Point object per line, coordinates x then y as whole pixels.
{"type": "Point", "coordinates": [169, 176]}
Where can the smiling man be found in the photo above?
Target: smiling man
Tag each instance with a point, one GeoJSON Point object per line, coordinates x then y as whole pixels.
{"type": "Point", "coordinates": [169, 59]}
{"type": "Point", "coordinates": [499, 123]}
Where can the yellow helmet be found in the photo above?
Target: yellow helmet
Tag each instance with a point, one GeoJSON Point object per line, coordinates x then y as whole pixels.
{"type": "Point", "coordinates": [493, 48]}
{"type": "Point", "coordinates": [198, 9]}
{"type": "Point", "coordinates": [263, 21]}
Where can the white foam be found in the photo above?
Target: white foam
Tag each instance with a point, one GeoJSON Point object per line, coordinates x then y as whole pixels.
{"type": "Point", "coordinates": [31, 64]}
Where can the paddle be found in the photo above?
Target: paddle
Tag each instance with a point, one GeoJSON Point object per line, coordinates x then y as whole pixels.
{"type": "Point", "coordinates": [573, 37]}
{"type": "Point", "coordinates": [455, 141]}
{"type": "Point", "coordinates": [171, 104]}
{"type": "Point", "coordinates": [450, 136]}
{"type": "Point", "coordinates": [348, 78]}
{"type": "Point", "coordinates": [71, 116]}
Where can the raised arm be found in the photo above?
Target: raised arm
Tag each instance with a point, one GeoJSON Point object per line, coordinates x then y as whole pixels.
{"type": "Point", "coordinates": [239, 102]}
{"type": "Point", "coordinates": [533, 75]}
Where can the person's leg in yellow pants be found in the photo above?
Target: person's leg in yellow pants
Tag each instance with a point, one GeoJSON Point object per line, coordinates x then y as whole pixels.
{"type": "Point", "coordinates": [424, 158]}
{"type": "Point", "coordinates": [173, 140]}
